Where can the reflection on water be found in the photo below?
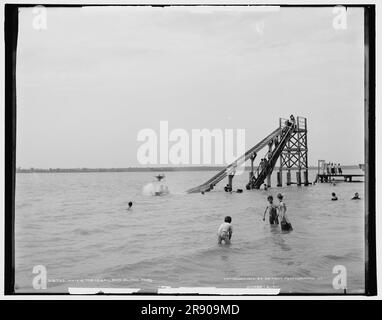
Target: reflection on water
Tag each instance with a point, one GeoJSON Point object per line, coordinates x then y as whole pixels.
{"type": "Point", "coordinates": [77, 226]}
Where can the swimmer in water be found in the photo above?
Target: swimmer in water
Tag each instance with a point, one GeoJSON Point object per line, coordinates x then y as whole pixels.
{"type": "Point", "coordinates": [225, 231]}
{"type": "Point", "coordinates": [283, 218]}
{"type": "Point", "coordinates": [160, 177]}
{"type": "Point", "coordinates": [334, 197]}
{"type": "Point", "coordinates": [272, 211]}
{"type": "Point", "coordinates": [356, 197]}
{"type": "Point", "coordinates": [130, 205]}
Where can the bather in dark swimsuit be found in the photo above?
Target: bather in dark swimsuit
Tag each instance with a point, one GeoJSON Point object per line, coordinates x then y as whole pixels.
{"type": "Point", "coordinates": [273, 215]}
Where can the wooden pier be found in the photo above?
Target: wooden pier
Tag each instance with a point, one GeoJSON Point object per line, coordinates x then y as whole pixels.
{"type": "Point", "coordinates": [327, 172]}
{"type": "Point", "coordinates": [329, 177]}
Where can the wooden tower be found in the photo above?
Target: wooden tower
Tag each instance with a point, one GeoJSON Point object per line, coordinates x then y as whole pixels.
{"type": "Point", "coordinates": [295, 154]}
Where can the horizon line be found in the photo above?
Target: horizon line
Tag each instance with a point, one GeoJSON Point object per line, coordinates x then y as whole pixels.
{"type": "Point", "coordinates": [161, 168]}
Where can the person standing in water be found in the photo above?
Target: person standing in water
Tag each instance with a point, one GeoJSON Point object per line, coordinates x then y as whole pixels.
{"type": "Point", "coordinates": [225, 231]}
{"type": "Point", "coordinates": [283, 218]}
{"type": "Point", "coordinates": [272, 211]}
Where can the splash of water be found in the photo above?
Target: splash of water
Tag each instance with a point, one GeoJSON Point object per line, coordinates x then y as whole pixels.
{"type": "Point", "coordinates": [155, 188]}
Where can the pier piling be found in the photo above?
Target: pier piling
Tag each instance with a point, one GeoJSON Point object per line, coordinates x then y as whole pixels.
{"type": "Point", "coordinates": [298, 177]}
{"type": "Point", "coordinates": [279, 179]}
{"type": "Point", "coordinates": [306, 180]}
{"type": "Point", "coordinates": [230, 178]}
{"type": "Point", "coordinates": [269, 180]}
{"type": "Point", "coordinates": [289, 180]}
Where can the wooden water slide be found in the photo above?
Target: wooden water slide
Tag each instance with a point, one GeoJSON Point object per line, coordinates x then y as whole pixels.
{"type": "Point", "coordinates": [209, 184]}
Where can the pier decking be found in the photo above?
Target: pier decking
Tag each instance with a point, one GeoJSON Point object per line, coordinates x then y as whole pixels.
{"type": "Point", "coordinates": [329, 177]}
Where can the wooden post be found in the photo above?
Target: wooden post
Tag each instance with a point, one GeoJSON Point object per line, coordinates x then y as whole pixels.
{"type": "Point", "coordinates": [269, 180]}
{"type": "Point", "coordinates": [230, 178]}
{"type": "Point", "coordinates": [306, 180]}
{"type": "Point", "coordinates": [288, 178]}
{"type": "Point", "coordinates": [251, 173]}
{"type": "Point", "coordinates": [252, 169]}
{"type": "Point", "coordinates": [298, 177]}
{"type": "Point", "coordinates": [279, 179]}
{"type": "Point", "coordinates": [268, 159]}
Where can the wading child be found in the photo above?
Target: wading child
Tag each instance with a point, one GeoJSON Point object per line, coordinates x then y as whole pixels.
{"type": "Point", "coordinates": [225, 231]}
{"type": "Point", "coordinates": [283, 218]}
{"type": "Point", "coordinates": [272, 211]}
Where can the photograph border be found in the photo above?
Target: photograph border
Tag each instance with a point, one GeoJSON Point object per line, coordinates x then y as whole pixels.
{"type": "Point", "coordinates": [11, 36]}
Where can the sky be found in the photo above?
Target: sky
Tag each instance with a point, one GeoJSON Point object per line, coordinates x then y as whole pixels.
{"type": "Point", "coordinates": [95, 77]}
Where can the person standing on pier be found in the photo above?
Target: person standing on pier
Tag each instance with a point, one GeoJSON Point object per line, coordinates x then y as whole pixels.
{"type": "Point", "coordinates": [339, 169]}
{"type": "Point", "coordinates": [328, 168]}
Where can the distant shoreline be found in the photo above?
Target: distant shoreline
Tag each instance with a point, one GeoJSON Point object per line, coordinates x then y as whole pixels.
{"type": "Point", "coordinates": [142, 169]}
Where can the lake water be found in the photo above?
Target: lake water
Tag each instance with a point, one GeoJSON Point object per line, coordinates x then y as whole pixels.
{"type": "Point", "coordinates": [77, 226]}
